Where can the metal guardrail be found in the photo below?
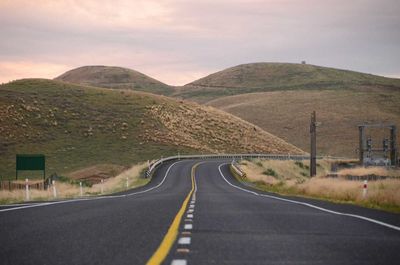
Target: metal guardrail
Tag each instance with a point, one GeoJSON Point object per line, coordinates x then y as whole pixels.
{"type": "Point", "coordinates": [236, 168]}
{"type": "Point", "coordinates": [154, 165]}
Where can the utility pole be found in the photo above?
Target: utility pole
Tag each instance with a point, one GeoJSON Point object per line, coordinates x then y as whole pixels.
{"type": "Point", "coordinates": [361, 144]}
{"type": "Point", "coordinates": [393, 145]}
{"type": "Point", "coordinates": [313, 153]}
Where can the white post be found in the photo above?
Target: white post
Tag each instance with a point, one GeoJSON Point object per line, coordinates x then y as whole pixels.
{"type": "Point", "coordinates": [101, 186]}
{"type": "Point", "coordinates": [81, 189]}
{"type": "Point", "coordinates": [365, 189]}
{"type": "Point", "coordinates": [179, 156]}
{"type": "Point", "coordinates": [54, 189]}
{"type": "Point", "coordinates": [27, 189]}
{"type": "Point", "coordinates": [127, 182]}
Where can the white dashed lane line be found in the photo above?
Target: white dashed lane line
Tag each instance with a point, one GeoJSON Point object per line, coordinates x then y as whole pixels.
{"type": "Point", "coordinates": [184, 240]}
{"type": "Point", "coordinates": [179, 262]}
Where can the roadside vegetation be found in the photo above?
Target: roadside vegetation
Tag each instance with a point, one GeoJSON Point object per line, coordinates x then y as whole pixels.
{"type": "Point", "coordinates": [292, 178]}
{"type": "Point", "coordinates": [68, 187]}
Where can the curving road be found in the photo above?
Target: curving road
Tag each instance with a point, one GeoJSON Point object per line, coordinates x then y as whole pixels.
{"type": "Point", "coordinates": [221, 222]}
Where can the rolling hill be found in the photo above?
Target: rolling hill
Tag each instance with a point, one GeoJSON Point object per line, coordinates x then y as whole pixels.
{"type": "Point", "coordinates": [280, 97]}
{"type": "Point", "coordinates": [78, 126]}
{"type": "Point", "coordinates": [115, 77]}
{"type": "Point", "coordinates": [287, 114]}
{"type": "Point", "coordinates": [266, 77]}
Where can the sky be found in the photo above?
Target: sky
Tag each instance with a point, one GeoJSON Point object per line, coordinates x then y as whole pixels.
{"type": "Point", "coordinates": [177, 41]}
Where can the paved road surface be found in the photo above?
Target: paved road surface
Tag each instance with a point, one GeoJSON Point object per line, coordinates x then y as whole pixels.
{"type": "Point", "coordinates": [222, 224]}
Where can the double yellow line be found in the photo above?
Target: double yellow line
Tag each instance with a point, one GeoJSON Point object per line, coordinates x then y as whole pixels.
{"type": "Point", "coordinates": [162, 251]}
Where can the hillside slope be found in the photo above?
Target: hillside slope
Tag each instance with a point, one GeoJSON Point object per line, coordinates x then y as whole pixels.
{"type": "Point", "coordinates": [78, 126]}
{"type": "Point", "coordinates": [115, 77]}
{"type": "Point", "coordinates": [265, 77]}
{"type": "Point", "coordinates": [287, 114]}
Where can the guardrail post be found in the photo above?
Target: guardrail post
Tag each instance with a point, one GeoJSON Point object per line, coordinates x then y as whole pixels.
{"type": "Point", "coordinates": [27, 189]}
{"type": "Point", "coordinates": [365, 189]}
{"type": "Point", "coordinates": [54, 189]}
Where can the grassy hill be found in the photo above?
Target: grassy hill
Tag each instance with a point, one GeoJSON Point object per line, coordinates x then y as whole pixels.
{"type": "Point", "coordinates": [115, 77]}
{"type": "Point", "coordinates": [279, 98]}
{"type": "Point", "coordinates": [78, 126]}
{"type": "Point", "coordinates": [265, 77]}
{"type": "Point", "coordinates": [287, 114]}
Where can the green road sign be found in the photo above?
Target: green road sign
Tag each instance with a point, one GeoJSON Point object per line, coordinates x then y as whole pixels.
{"type": "Point", "coordinates": [30, 162]}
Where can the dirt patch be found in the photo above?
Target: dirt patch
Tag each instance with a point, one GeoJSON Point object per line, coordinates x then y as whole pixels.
{"type": "Point", "coordinates": [95, 174]}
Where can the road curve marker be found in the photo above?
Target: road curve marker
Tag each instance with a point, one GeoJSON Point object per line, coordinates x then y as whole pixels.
{"type": "Point", "coordinates": [169, 239]}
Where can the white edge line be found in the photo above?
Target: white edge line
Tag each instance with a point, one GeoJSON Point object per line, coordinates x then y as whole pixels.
{"type": "Point", "coordinates": [20, 204]}
{"type": "Point", "coordinates": [310, 205]}
{"type": "Point", "coordinates": [93, 198]}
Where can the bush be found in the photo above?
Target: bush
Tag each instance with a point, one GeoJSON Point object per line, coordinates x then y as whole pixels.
{"type": "Point", "coordinates": [270, 172]}
{"type": "Point", "coordinates": [301, 165]}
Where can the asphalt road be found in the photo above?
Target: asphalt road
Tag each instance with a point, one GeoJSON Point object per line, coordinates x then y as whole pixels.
{"type": "Point", "coordinates": [224, 223]}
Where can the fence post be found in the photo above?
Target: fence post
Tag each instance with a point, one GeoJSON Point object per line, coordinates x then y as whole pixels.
{"type": "Point", "coordinates": [27, 189]}
{"type": "Point", "coordinates": [365, 189]}
{"type": "Point", "coordinates": [80, 188]}
{"type": "Point", "coordinates": [54, 189]}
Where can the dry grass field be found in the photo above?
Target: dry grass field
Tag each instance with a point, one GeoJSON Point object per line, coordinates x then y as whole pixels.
{"type": "Point", "coordinates": [287, 114]}
{"type": "Point", "coordinates": [291, 178]}
{"type": "Point", "coordinates": [212, 131]}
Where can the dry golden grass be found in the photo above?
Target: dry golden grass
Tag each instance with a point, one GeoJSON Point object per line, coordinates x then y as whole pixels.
{"type": "Point", "coordinates": [287, 115]}
{"type": "Point", "coordinates": [66, 190]}
{"type": "Point", "coordinates": [211, 130]}
{"type": "Point", "coordinates": [285, 170]}
{"type": "Point", "coordinates": [383, 194]}
{"type": "Point", "coordinates": [380, 192]}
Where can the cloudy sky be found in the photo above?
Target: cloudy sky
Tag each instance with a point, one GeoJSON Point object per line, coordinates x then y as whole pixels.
{"type": "Point", "coordinates": [178, 41]}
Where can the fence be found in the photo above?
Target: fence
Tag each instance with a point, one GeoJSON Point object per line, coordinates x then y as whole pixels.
{"type": "Point", "coordinates": [13, 185]}
{"type": "Point", "coordinates": [364, 177]}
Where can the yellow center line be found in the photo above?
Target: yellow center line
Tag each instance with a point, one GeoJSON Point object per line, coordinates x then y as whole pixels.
{"type": "Point", "coordinates": [169, 239]}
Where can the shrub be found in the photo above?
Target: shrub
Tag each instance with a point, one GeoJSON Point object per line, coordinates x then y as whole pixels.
{"type": "Point", "coordinates": [270, 172]}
